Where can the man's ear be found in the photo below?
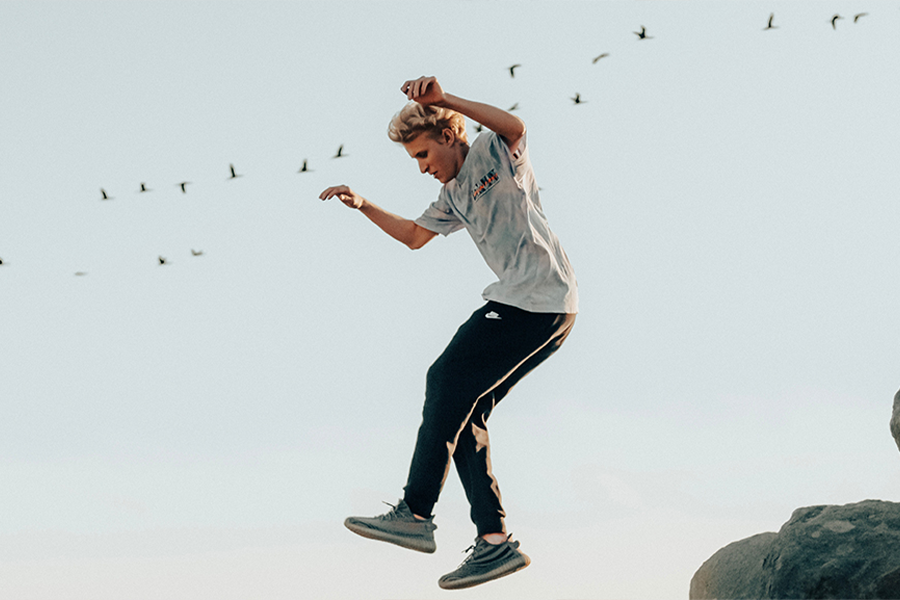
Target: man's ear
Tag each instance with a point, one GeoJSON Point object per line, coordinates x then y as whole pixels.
{"type": "Point", "coordinates": [448, 136]}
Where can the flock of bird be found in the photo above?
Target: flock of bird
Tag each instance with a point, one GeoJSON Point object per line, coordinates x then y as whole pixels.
{"type": "Point", "coordinates": [304, 168]}
{"type": "Point", "coordinates": [233, 174]}
{"type": "Point", "coordinates": [576, 99]}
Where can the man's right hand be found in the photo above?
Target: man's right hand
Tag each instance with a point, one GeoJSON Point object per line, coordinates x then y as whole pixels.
{"type": "Point", "coordinates": [345, 195]}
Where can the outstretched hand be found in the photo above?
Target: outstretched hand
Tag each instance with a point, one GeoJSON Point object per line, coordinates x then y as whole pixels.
{"type": "Point", "coordinates": [344, 194]}
{"type": "Point", "coordinates": [424, 90]}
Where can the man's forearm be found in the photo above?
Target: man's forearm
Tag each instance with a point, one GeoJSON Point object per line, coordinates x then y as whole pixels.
{"type": "Point", "coordinates": [498, 120]}
{"type": "Point", "coordinates": [402, 230]}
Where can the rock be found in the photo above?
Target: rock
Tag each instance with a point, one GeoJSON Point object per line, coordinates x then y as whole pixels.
{"type": "Point", "coordinates": [850, 551]}
{"type": "Point", "coordinates": [735, 571]}
{"type": "Point", "coordinates": [895, 420]}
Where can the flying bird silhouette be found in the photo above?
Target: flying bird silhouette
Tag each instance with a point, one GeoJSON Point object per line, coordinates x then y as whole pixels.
{"type": "Point", "coordinates": [305, 168]}
{"type": "Point", "coordinates": [233, 174]}
{"type": "Point", "coordinates": [596, 58]}
{"type": "Point", "coordinates": [196, 252]}
{"type": "Point", "coordinates": [340, 152]}
{"type": "Point", "coordinates": [144, 188]}
{"type": "Point", "coordinates": [104, 196]}
{"type": "Point", "coordinates": [834, 21]}
{"type": "Point", "coordinates": [479, 127]}
{"type": "Point", "coordinates": [80, 273]}
{"type": "Point", "coordinates": [577, 99]}
{"type": "Point", "coordinates": [770, 26]}
{"type": "Point", "coordinates": [513, 107]}
{"type": "Point", "coordinates": [181, 185]}
{"type": "Point", "coordinates": [643, 34]}
{"type": "Point", "coordinates": [162, 260]}
{"type": "Point", "coordinates": [512, 70]}
{"type": "Point", "coordinates": [856, 17]}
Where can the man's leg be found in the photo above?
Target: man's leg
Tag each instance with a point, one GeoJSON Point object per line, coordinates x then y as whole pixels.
{"type": "Point", "coordinates": [473, 454]}
{"type": "Point", "coordinates": [487, 350]}
{"type": "Point", "coordinates": [494, 554]}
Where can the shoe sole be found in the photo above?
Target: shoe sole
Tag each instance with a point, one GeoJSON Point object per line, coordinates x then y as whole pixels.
{"type": "Point", "coordinates": [495, 573]}
{"type": "Point", "coordinates": [391, 538]}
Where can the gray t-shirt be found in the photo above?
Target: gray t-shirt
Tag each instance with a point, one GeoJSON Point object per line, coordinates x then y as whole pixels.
{"type": "Point", "coordinates": [496, 199]}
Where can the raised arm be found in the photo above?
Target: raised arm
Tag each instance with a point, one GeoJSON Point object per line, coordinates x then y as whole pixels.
{"type": "Point", "coordinates": [403, 230]}
{"type": "Point", "coordinates": [427, 90]}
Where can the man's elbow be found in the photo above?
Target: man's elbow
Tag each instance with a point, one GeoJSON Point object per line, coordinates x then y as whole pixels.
{"type": "Point", "coordinates": [515, 135]}
{"type": "Point", "coordinates": [419, 238]}
{"type": "Point", "coordinates": [520, 129]}
{"type": "Point", "coordinates": [416, 243]}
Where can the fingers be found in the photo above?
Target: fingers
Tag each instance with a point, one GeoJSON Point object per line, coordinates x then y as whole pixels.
{"type": "Point", "coordinates": [333, 191]}
{"type": "Point", "coordinates": [344, 194]}
{"type": "Point", "coordinates": [415, 88]}
{"type": "Point", "coordinates": [419, 87]}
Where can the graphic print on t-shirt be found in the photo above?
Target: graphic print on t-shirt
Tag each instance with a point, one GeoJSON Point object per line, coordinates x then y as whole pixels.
{"type": "Point", "coordinates": [485, 184]}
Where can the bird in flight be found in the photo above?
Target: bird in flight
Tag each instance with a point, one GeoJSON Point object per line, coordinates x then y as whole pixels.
{"type": "Point", "coordinates": [856, 17]}
{"type": "Point", "coordinates": [233, 174]}
{"type": "Point", "coordinates": [144, 188]}
{"type": "Point", "coordinates": [577, 99]}
{"type": "Point", "coordinates": [181, 185]}
{"type": "Point", "coordinates": [770, 26]}
{"type": "Point", "coordinates": [513, 107]}
{"type": "Point", "coordinates": [104, 196]}
{"type": "Point", "coordinates": [162, 260]}
{"type": "Point", "coordinates": [196, 252]}
{"type": "Point", "coordinates": [642, 35]}
{"type": "Point", "coordinates": [596, 58]}
{"type": "Point", "coordinates": [512, 70]}
{"type": "Point", "coordinates": [834, 20]}
{"type": "Point", "coordinates": [478, 127]}
{"type": "Point", "coordinates": [80, 273]}
{"type": "Point", "coordinates": [340, 152]}
{"type": "Point", "coordinates": [305, 168]}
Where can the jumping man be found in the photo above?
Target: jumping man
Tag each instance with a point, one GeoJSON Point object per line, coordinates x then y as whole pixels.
{"type": "Point", "coordinates": [489, 189]}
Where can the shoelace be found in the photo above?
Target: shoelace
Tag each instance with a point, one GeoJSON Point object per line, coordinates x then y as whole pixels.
{"type": "Point", "coordinates": [474, 552]}
{"type": "Point", "coordinates": [473, 548]}
{"type": "Point", "coordinates": [470, 556]}
{"type": "Point", "coordinates": [393, 514]}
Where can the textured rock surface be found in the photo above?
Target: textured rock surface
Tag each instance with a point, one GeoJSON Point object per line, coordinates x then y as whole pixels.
{"type": "Point", "coordinates": [895, 420]}
{"type": "Point", "coordinates": [850, 551]}
{"type": "Point", "coordinates": [735, 571]}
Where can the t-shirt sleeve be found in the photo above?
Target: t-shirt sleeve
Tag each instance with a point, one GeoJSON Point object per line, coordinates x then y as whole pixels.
{"type": "Point", "coordinates": [439, 218]}
{"type": "Point", "coordinates": [520, 156]}
{"type": "Point", "coordinates": [514, 160]}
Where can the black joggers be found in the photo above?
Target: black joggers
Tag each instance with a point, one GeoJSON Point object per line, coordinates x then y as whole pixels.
{"type": "Point", "coordinates": [489, 354]}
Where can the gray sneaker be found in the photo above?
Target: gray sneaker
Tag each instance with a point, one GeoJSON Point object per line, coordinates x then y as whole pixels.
{"type": "Point", "coordinates": [398, 526]}
{"type": "Point", "coordinates": [486, 563]}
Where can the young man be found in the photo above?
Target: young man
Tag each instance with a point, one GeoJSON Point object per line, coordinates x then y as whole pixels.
{"type": "Point", "coordinates": [489, 189]}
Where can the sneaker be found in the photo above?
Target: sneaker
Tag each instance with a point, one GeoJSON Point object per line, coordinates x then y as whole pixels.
{"type": "Point", "coordinates": [399, 526]}
{"type": "Point", "coordinates": [487, 562]}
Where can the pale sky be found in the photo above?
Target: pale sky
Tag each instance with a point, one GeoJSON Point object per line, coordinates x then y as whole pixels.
{"type": "Point", "coordinates": [200, 429]}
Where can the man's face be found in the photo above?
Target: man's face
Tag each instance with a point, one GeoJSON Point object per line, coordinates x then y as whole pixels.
{"type": "Point", "coordinates": [439, 157]}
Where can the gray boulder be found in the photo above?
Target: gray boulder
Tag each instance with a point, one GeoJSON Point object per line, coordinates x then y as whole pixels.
{"type": "Point", "coordinates": [735, 571]}
{"type": "Point", "coordinates": [895, 420]}
{"type": "Point", "coordinates": [850, 551]}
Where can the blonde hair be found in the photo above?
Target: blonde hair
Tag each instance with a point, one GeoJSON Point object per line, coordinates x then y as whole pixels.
{"type": "Point", "coordinates": [415, 119]}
